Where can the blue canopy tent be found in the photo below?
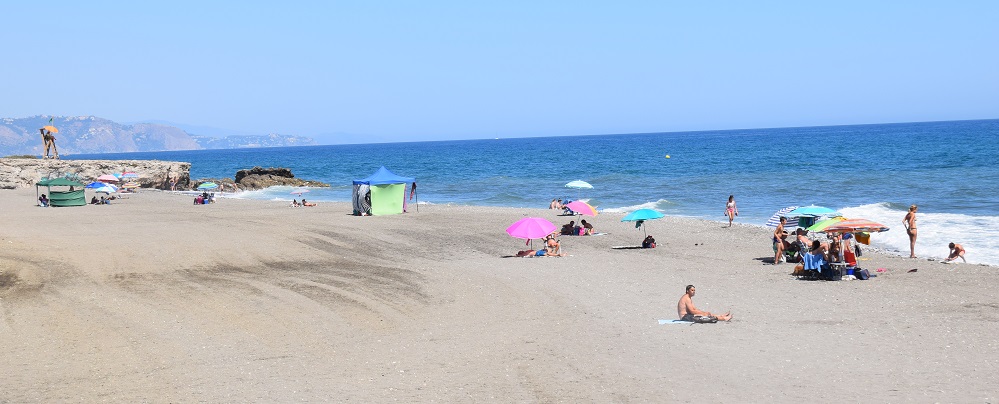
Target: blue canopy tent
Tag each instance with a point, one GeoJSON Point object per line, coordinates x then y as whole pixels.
{"type": "Point", "coordinates": [382, 193]}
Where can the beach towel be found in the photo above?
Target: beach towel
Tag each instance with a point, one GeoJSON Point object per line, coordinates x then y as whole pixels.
{"type": "Point", "coordinates": [662, 322]}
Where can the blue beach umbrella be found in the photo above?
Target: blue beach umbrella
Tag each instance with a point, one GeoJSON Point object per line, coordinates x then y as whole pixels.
{"type": "Point", "coordinates": [102, 187]}
{"type": "Point", "coordinates": [807, 215]}
{"type": "Point", "coordinates": [813, 210]}
{"type": "Point", "coordinates": [641, 215]}
{"type": "Point", "coordinates": [577, 185]}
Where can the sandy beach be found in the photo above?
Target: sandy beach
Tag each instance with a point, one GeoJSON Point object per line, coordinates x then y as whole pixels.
{"type": "Point", "coordinates": [153, 299]}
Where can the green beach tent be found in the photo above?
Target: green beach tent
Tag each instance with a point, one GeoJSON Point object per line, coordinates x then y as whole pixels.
{"type": "Point", "coordinates": [73, 197]}
{"type": "Point", "coordinates": [382, 193]}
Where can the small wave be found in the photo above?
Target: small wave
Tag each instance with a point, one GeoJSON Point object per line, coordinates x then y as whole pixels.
{"type": "Point", "coordinates": [935, 232]}
{"type": "Point", "coordinates": [660, 204]}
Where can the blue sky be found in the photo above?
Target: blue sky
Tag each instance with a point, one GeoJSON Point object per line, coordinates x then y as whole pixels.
{"type": "Point", "coordinates": [407, 70]}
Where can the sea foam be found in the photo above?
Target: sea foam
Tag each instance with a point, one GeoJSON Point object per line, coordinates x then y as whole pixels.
{"type": "Point", "coordinates": [934, 232]}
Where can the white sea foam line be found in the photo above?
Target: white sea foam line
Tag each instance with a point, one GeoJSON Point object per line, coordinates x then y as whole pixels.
{"type": "Point", "coordinates": [935, 231]}
{"type": "Point", "coordinates": [628, 209]}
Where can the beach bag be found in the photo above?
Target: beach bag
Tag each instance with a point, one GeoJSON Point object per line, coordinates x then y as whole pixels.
{"type": "Point", "coordinates": [649, 242]}
{"type": "Point", "coordinates": [862, 274]}
{"type": "Point", "coordinates": [705, 319]}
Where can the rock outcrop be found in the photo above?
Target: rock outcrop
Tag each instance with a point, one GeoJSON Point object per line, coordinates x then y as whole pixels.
{"type": "Point", "coordinates": [25, 172]}
{"type": "Point", "coordinates": [259, 178]}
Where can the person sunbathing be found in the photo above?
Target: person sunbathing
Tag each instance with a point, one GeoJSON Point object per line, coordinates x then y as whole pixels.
{"type": "Point", "coordinates": [687, 312]}
{"type": "Point", "coordinates": [834, 249]}
{"type": "Point", "coordinates": [537, 253]}
{"type": "Point", "coordinates": [803, 237]}
{"type": "Point", "coordinates": [552, 245]}
{"type": "Point", "coordinates": [819, 248]}
{"type": "Point", "coordinates": [304, 203]}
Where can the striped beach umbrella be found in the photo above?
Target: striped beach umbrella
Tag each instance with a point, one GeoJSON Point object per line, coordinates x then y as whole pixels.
{"type": "Point", "coordinates": [774, 220]}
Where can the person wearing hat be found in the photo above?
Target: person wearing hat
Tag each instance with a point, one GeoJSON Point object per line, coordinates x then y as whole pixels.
{"type": "Point", "coordinates": [802, 239]}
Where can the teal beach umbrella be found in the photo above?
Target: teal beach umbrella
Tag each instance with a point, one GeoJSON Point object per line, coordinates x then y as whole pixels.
{"type": "Point", "coordinates": [641, 215]}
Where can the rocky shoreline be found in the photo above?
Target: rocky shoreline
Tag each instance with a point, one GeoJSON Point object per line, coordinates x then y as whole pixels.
{"type": "Point", "coordinates": [16, 173]}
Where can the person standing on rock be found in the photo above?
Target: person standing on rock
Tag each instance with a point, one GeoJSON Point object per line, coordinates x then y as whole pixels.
{"type": "Point", "coordinates": [49, 140]}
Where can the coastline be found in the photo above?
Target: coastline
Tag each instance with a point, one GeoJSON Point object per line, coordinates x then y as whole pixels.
{"type": "Point", "coordinates": [156, 299]}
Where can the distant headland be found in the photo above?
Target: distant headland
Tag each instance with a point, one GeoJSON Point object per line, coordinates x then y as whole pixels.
{"type": "Point", "coordinates": [94, 135]}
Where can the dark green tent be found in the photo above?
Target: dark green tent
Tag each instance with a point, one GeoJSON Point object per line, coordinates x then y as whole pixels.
{"type": "Point", "coordinates": [73, 197]}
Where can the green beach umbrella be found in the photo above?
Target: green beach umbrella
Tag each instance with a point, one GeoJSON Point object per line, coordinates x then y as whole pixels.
{"type": "Point", "coordinates": [820, 226]}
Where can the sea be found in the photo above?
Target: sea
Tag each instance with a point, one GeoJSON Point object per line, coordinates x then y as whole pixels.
{"type": "Point", "coordinates": [874, 172]}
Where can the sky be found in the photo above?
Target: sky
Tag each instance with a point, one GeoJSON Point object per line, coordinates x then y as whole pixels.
{"type": "Point", "coordinates": [349, 72]}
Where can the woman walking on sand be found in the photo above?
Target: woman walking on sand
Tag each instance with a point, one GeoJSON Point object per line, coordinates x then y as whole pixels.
{"type": "Point", "coordinates": [731, 210]}
{"type": "Point", "coordinates": [910, 228]}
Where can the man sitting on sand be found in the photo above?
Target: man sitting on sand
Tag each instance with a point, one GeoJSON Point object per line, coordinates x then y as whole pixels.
{"type": "Point", "coordinates": [569, 228]}
{"type": "Point", "coordinates": [687, 312]}
{"type": "Point", "coordinates": [537, 253]}
{"type": "Point", "coordinates": [956, 251]}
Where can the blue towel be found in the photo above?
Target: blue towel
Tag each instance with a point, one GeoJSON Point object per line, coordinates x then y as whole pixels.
{"type": "Point", "coordinates": [661, 322]}
{"type": "Point", "coordinates": [813, 262]}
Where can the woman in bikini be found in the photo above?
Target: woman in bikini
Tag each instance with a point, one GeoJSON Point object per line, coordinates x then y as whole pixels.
{"type": "Point", "coordinates": [731, 210]}
{"type": "Point", "coordinates": [910, 228]}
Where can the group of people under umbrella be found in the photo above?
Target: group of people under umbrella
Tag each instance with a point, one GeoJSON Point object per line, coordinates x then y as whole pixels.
{"type": "Point", "coordinates": [530, 228]}
{"type": "Point", "coordinates": [816, 256]}
{"type": "Point", "coordinates": [816, 219]}
{"type": "Point", "coordinates": [108, 184]}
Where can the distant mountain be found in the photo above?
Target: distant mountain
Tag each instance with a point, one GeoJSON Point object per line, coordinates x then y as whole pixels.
{"type": "Point", "coordinates": [200, 130]}
{"type": "Point", "coordinates": [239, 142]}
{"type": "Point", "coordinates": [90, 134]}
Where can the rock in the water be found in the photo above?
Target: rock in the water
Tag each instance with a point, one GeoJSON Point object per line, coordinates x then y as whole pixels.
{"type": "Point", "coordinates": [275, 172]}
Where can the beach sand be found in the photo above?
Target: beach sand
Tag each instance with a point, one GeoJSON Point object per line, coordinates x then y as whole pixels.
{"type": "Point", "coordinates": [153, 299]}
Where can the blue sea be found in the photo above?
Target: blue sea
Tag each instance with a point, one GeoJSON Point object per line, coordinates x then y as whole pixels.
{"type": "Point", "coordinates": [864, 171]}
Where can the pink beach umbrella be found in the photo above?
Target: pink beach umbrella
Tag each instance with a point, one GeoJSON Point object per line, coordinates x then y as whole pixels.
{"type": "Point", "coordinates": [582, 208]}
{"type": "Point", "coordinates": [530, 228]}
{"type": "Point", "coordinates": [107, 178]}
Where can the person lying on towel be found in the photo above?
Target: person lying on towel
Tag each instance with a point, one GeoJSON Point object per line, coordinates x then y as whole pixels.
{"type": "Point", "coordinates": [537, 253]}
